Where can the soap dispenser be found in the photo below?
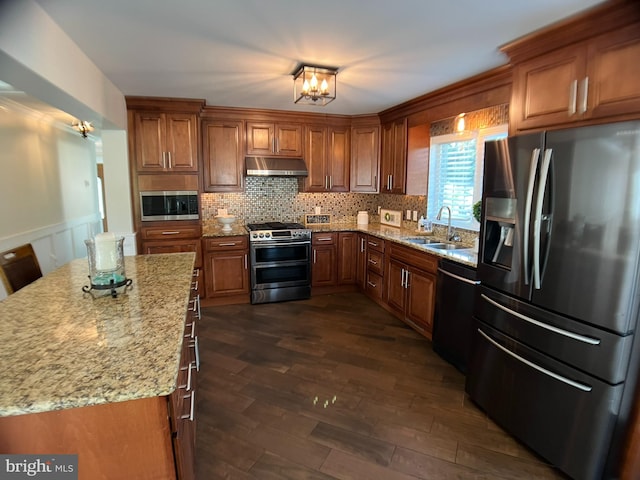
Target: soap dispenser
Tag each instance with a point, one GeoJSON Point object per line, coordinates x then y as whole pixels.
{"type": "Point", "coordinates": [421, 223]}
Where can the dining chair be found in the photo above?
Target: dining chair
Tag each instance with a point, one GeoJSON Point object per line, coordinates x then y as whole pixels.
{"type": "Point", "coordinates": [19, 267]}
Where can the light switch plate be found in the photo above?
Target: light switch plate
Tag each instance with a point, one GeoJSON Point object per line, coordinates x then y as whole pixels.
{"type": "Point", "coordinates": [390, 217]}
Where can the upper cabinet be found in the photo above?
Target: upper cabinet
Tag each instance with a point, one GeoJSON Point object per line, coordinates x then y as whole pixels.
{"type": "Point", "coordinates": [365, 158]}
{"type": "Point", "coordinates": [222, 155]}
{"type": "Point", "coordinates": [327, 156]}
{"type": "Point", "coordinates": [269, 138]}
{"type": "Point", "coordinates": [163, 134]}
{"type": "Point", "coordinates": [166, 142]}
{"type": "Point", "coordinates": [561, 78]}
{"type": "Point", "coordinates": [394, 157]}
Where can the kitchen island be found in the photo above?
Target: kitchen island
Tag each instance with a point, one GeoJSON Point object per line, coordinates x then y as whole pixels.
{"type": "Point", "coordinates": [94, 376]}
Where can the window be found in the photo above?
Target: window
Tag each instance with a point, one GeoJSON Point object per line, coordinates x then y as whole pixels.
{"type": "Point", "coordinates": [455, 174]}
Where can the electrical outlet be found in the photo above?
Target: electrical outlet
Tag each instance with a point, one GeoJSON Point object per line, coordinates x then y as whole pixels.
{"type": "Point", "coordinates": [379, 208]}
{"type": "Point", "coordinates": [415, 216]}
{"type": "Point", "coordinates": [408, 215]}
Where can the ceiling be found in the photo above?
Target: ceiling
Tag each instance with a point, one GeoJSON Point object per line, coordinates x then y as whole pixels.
{"type": "Point", "coordinates": [242, 53]}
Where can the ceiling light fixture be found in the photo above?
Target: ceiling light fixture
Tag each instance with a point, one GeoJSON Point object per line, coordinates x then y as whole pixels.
{"type": "Point", "coordinates": [82, 127]}
{"type": "Point", "coordinates": [313, 85]}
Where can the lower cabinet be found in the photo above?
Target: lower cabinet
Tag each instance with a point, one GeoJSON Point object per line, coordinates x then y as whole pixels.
{"type": "Point", "coordinates": [411, 287]}
{"type": "Point", "coordinates": [334, 260]}
{"type": "Point", "coordinates": [375, 270]}
{"type": "Point", "coordinates": [226, 267]}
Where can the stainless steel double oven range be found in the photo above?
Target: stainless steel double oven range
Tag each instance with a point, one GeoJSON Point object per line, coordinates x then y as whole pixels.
{"type": "Point", "coordinates": [280, 261]}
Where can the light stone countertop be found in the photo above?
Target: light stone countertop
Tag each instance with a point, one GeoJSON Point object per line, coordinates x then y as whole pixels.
{"type": "Point", "coordinates": [465, 256]}
{"type": "Point", "coordinates": [62, 348]}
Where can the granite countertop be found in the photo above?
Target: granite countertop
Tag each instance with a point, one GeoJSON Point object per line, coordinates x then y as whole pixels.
{"type": "Point", "coordinates": [465, 256]}
{"type": "Point", "coordinates": [62, 348]}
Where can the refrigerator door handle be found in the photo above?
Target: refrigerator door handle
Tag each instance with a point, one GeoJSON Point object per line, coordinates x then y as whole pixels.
{"type": "Point", "coordinates": [533, 166]}
{"type": "Point", "coordinates": [560, 331]}
{"type": "Point", "coordinates": [572, 383]}
{"type": "Point", "coordinates": [537, 219]}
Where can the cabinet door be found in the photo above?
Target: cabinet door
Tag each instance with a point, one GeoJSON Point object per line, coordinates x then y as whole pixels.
{"type": "Point", "coordinates": [316, 158]}
{"type": "Point", "coordinates": [260, 138]}
{"type": "Point", "coordinates": [365, 156]}
{"type": "Point", "coordinates": [394, 152]}
{"type": "Point", "coordinates": [421, 292]}
{"type": "Point", "coordinates": [288, 140]}
{"type": "Point", "coordinates": [613, 73]}
{"type": "Point", "coordinates": [361, 267]}
{"type": "Point", "coordinates": [150, 135]}
{"type": "Point", "coordinates": [222, 155]}
{"type": "Point", "coordinates": [347, 258]}
{"type": "Point", "coordinates": [545, 89]}
{"type": "Point", "coordinates": [181, 142]}
{"type": "Point", "coordinates": [323, 268]}
{"type": "Point", "coordinates": [396, 292]}
{"type": "Point", "coordinates": [226, 273]}
{"type": "Point", "coordinates": [338, 163]}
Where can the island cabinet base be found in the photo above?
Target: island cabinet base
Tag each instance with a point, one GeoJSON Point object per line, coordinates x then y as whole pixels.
{"type": "Point", "coordinates": [123, 440]}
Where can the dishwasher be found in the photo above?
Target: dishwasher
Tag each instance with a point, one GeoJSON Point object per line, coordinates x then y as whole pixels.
{"type": "Point", "coordinates": [452, 323]}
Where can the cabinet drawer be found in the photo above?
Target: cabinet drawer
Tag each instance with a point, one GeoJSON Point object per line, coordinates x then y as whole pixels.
{"type": "Point", "coordinates": [169, 232]}
{"type": "Point", "coordinates": [328, 238]}
{"type": "Point", "coordinates": [375, 243]}
{"type": "Point", "coordinates": [375, 262]}
{"type": "Point", "coordinates": [423, 261]}
{"type": "Point", "coordinates": [373, 286]}
{"type": "Point", "coordinates": [225, 243]}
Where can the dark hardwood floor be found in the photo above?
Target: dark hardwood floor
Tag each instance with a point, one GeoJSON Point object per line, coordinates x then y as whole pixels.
{"type": "Point", "coordinates": [336, 388]}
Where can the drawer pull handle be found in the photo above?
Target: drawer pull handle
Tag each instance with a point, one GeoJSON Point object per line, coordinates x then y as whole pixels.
{"type": "Point", "coordinates": [373, 244]}
{"type": "Point", "coordinates": [192, 409]}
{"type": "Point", "coordinates": [229, 244]}
{"type": "Point", "coordinates": [171, 232]}
{"type": "Point", "coordinates": [372, 285]}
{"type": "Point", "coordinates": [458, 277]}
{"type": "Point", "coordinates": [373, 262]}
{"type": "Point", "coordinates": [579, 386]}
{"type": "Point", "coordinates": [196, 349]}
{"type": "Point", "coordinates": [324, 239]}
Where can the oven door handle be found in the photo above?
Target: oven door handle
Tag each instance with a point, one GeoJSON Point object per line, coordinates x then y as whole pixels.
{"type": "Point", "coordinates": [280, 244]}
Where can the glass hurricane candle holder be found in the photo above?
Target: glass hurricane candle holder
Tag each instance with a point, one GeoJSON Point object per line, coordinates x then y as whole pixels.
{"type": "Point", "coordinates": [105, 253]}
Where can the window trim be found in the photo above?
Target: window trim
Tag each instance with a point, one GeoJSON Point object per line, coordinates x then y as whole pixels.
{"type": "Point", "coordinates": [480, 135]}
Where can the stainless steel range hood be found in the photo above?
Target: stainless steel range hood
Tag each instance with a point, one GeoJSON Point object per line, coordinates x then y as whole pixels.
{"type": "Point", "coordinates": [276, 167]}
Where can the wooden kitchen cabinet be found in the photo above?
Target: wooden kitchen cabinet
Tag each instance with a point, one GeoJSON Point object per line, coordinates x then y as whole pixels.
{"type": "Point", "coordinates": [365, 159]}
{"type": "Point", "coordinates": [411, 287]}
{"type": "Point", "coordinates": [375, 268]}
{"type": "Point", "coordinates": [328, 150]}
{"type": "Point", "coordinates": [222, 155]}
{"type": "Point", "coordinates": [583, 82]}
{"type": "Point", "coordinates": [171, 237]}
{"type": "Point", "coordinates": [226, 267]}
{"type": "Point", "coordinates": [272, 138]}
{"type": "Point", "coordinates": [361, 260]}
{"type": "Point", "coordinates": [324, 254]}
{"type": "Point", "coordinates": [347, 258]}
{"type": "Point", "coordinates": [165, 142]}
{"type": "Point", "coordinates": [393, 171]}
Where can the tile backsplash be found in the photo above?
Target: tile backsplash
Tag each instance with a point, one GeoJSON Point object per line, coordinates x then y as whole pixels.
{"type": "Point", "coordinates": [278, 198]}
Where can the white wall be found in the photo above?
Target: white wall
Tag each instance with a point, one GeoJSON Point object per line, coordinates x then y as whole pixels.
{"type": "Point", "coordinates": [48, 188]}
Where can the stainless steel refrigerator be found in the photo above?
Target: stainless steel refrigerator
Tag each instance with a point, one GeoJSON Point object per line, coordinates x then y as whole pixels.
{"type": "Point", "coordinates": [553, 357]}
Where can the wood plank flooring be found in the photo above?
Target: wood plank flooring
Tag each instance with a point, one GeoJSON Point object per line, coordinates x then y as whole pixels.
{"type": "Point", "coordinates": [336, 388]}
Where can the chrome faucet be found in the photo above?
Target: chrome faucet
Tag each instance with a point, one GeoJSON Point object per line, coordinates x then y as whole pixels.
{"type": "Point", "coordinates": [451, 235]}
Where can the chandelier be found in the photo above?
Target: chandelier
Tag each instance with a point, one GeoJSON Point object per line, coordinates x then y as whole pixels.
{"type": "Point", "coordinates": [313, 85]}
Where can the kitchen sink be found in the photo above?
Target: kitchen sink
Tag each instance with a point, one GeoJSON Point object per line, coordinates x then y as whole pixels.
{"type": "Point", "coordinates": [448, 246]}
{"type": "Point", "coordinates": [423, 240]}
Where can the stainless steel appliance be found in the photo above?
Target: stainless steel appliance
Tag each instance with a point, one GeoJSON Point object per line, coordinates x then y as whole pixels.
{"type": "Point", "coordinates": [554, 359]}
{"type": "Point", "coordinates": [452, 322]}
{"type": "Point", "coordinates": [280, 261]}
{"type": "Point", "coordinates": [169, 205]}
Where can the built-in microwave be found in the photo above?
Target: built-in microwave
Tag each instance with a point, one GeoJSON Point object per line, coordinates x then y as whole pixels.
{"type": "Point", "coordinates": [169, 205]}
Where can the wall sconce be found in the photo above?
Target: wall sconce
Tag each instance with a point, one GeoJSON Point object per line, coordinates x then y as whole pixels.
{"type": "Point", "coordinates": [314, 85]}
{"type": "Point", "coordinates": [82, 127]}
{"type": "Point", "coordinates": [459, 123]}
